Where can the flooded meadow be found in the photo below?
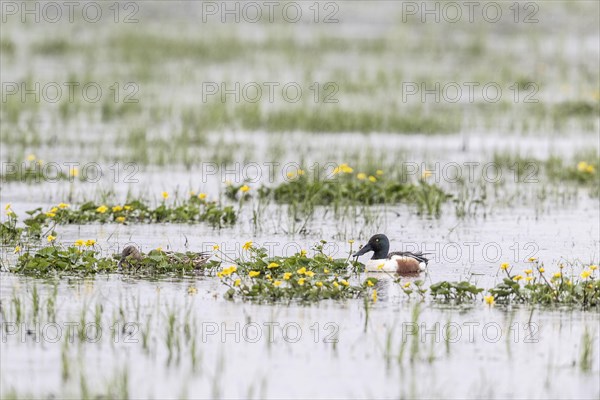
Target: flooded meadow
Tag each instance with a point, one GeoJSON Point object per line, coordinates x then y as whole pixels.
{"type": "Point", "coordinates": [248, 150]}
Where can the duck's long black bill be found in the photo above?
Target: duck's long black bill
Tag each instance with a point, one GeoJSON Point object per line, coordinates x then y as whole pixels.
{"type": "Point", "coordinates": [364, 250]}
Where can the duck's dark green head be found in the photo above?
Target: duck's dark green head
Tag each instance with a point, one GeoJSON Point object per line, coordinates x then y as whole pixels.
{"type": "Point", "coordinates": [379, 245]}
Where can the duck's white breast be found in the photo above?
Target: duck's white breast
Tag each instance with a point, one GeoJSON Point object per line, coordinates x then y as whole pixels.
{"type": "Point", "coordinates": [381, 266]}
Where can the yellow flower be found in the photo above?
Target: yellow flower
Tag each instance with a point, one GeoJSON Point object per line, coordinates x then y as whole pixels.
{"type": "Point", "coordinates": [268, 277]}
{"type": "Point", "coordinates": [557, 275]}
{"type": "Point", "coordinates": [245, 188]}
{"type": "Point", "coordinates": [165, 195]}
{"type": "Point", "coordinates": [407, 285]}
{"type": "Point", "coordinates": [372, 178]}
{"type": "Point", "coordinates": [79, 242]}
{"type": "Point", "coordinates": [90, 242]}
{"type": "Point", "coordinates": [528, 271]}
{"type": "Point", "coordinates": [31, 157]}
{"type": "Point", "coordinates": [319, 284]}
{"type": "Point", "coordinates": [53, 209]}
{"type": "Point", "coordinates": [192, 290]}
{"type": "Point", "coordinates": [310, 274]}
{"type": "Point", "coordinates": [51, 238]}
{"type": "Point", "coordinates": [517, 278]}
{"type": "Point", "coordinates": [102, 209]}
{"type": "Point", "coordinates": [301, 281]}
{"type": "Point", "coordinates": [380, 266]}
{"type": "Point", "coordinates": [301, 271]}
{"type": "Point", "coordinates": [426, 174]}
{"type": "Point", "coordinates": [10, 213]}
{"type": "Point", "coordinates": [532, 259]}
{"type": "Point", "coordinates": [192, 193]}
{"type": "Point", "coordinates": [252, 274]}
{"type": "Point", "coordinates": [202, 196]}
{"type": "Point", "coordinates": [220, 274]}
{"type": "Point", "coordinates": [346, 169]}
{"type": "Point", "coordinates": [216, 247]}
{"type": "Point", "coordinates": [593, 267]}
{"type": "Point", "coordinates": [50, 214]}
{"type": "Point", "coordinates": [291, 175]}
{"type": "Point", "coordinates": [361, 176]}
{"type": "Point", "coordinates": [277, 283]}
{"type": "Point", "coordinates": [120, 219]}
{"type": "Point", "coordinates": [374, 295]}
{"type": "Point", "coordinates": [300, 172]}
{"type": "Point", "coordinates": [344, 282]}
{"type": "Point", "coordinates": [287, 275]}
{"type": "Point", "coordinates": [489, 300]}
{"type": "Point", "coordinates": [237, 282]}
{"type": "Point", "coordinates": [504, 266]}
{"type": "Point", "coordinates": [273, 265]}
{"type": "Point", "coordinates": [127, 208]}
{"type": "Point", "coordinates": [17, 249]}
{"type": "Point", "coordinates": [369, 283]}
{"type": "Point", "coordinates": [585, 274]}
{"type": "Point", "coordinates": [62, 206]}
{"type": "Point", "coordinates": [117, 208]}
{"type": "Point", "coordinates": [351, 241]}
{"type": "Point", "coordinates": [379, 172]}
{"type": "Point", "coordinates": [74, 172]}
{"type": "Point", "coordinates": [7, 206]}
{"type": "Point", "coordinates": [302, 253]}
{"type": "Point", "coordinates": [325, 270]}
{"type": "Point", "coordinates": [247, 246]}
{"type": "Point", "coordinates": [336, 285]}
{"type": "Point", "coordinates": [159, 249]}
{"type": "Point", "coordinates": [582, 166]}
{"type": "Point", "coordinates": [542, 270]}
{"type": "Point", "coordinates": [528, 278]}
{"type": "Point", "coordinates": [590, 169]}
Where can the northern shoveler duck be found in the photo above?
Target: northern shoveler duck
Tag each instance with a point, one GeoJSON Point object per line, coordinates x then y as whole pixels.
{"type": "Point", "coordinates": [131, 255]}
{"type": "Point", "coordinates": [401, 262]}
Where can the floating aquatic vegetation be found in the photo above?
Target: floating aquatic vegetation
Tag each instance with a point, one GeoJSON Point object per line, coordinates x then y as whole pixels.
{"type": "Point", "coordinates": [83, 258]}
{"type": "Point", "coordinates": [195, 209]}
{"type": "Point", "coordinates": [534, 286]}
{"type": "Point", "coordinates": [346, 187]}
{"type": "Point", "coordinates": [260, 277]}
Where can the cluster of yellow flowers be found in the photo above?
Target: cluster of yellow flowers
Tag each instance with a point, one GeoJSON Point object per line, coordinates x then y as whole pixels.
{"type": "Point", "coordinates": [294, 174]}
{"type": "Point", "coordinates": [586, 273]}
{"type": "Point", "coordinates": [343, 168]}
{"type": "Point", "coordinates": [583, 166]}
{"type": "Point", "coordinates": [361, 176]}
{"type": "Point", "coordinates": [8, 210]}
{"type": "Point", "coordinates": [53, 210]}
{"type": "Point", "coordinates": [87, 243]}
{"type": "Point", "coordinates": [227, 271]}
